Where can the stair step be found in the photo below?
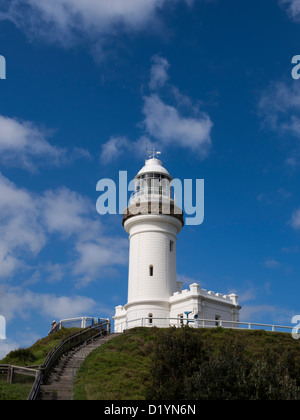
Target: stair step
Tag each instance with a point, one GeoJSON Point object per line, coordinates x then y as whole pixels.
{"type": "Point", "coordinates": [58, 384]}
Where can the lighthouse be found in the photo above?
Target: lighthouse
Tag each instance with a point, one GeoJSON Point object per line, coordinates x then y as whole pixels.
{"type": "Point", "coordinates": [155, 297]}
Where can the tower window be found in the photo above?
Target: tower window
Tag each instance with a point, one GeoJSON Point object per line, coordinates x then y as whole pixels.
{"type": "Point", "coordinates": [171, 246]}
{"type": "Point", "coordinates": [150, 316]}
{"type": "Point", "coordinates": [151, 270]}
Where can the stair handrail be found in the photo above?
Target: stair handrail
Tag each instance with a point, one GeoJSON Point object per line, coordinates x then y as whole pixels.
{"type": "Point", "coordinates": [67, 343]}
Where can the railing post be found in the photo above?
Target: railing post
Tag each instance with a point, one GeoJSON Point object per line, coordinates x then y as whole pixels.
{"type": "Point", "coordinates": [10, 374]}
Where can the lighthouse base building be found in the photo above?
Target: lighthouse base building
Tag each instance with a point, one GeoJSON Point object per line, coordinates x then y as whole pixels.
{"type": "Point", "coordinates": [195, 307]}
{"type": "Point", "coordinates": [155, 297]}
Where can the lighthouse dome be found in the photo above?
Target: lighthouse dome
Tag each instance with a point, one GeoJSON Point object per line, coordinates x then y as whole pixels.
{"type": "Point", "coordinates": [153, 166]}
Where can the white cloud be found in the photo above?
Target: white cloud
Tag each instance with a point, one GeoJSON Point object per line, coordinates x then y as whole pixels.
{"type": "Point", "coordinates": [257, 313]}
{"type": "Point", "coordinates": [24, 305]}
{"type": "Point", "coordinates": [21, 143]}
{"type": "Point", "coordinates": [159, 72]}
{"type": "Point", "coordinates": [114, 148]}
{"type": "Point", "coordinates": [96, 256]}
{"type": "Point", "coordinates": [279, 106]}
{"type": "Point", "coordinates": [187, 280]}
{"type": "Point", "coordinates": [247, 295]}
{"type": "Point", "coordinates": [295, 220]}
{"type": "Point", "coordinates": [28, 221]}
{"type": "Point", "coordinates": [281, 194]}
{"type": "Point", "coordinates": [118, 146]}
{"type": "Point", "coordinates": [293, 161]}
{"type": "Point", "coordinates": [24, 145]}
{"type": "Point", "coordinates": [17, 302]}
{"type": "Point", "coordinates": [69, 21]}
{"type": "Point", "coordinates": [292, 8]}
{"type": "Point", "coordinates": [7, 346]}
{"type": "Point", "coordinates": [61, 307]}
{"type": "Point", "coordinates": [165, 124]}
{"type": "Point", "coordinates": [67, 212]}
{"type": "Point", "coordinates": [271, 263]}
{"type": "Point", "coordinates": [20, 228]}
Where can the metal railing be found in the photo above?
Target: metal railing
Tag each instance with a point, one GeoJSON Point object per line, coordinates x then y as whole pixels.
{"type": "Point", "coordinates": [63, 347]}
{"type": "Point", "coordinates": [200, 323]}
{"type": "Point", "coordinates": [79, 322]}
{"type": "Point", "coordinates": [156, 191]}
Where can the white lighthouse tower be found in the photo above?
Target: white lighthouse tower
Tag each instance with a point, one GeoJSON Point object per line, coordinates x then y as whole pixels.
{"type": "Point", "coordinates": [153, 221]}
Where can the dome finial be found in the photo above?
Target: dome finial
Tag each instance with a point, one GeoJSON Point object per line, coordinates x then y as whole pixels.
{"type": "Point", "coordinates": [152, 154]}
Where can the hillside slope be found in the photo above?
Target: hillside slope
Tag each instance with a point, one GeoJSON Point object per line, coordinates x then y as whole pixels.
{"type": "Point", "coordinates": [151, 363]}
{"type": "Point", "coordinates": [136, 364]}
{"type": "Point", "coordinates": [35, 354]}
{"type": "Point", "coordinates": [31, 356]}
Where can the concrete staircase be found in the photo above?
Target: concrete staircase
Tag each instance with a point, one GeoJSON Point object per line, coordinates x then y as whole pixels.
{"type": "Point", "coordinates": [58, 385]}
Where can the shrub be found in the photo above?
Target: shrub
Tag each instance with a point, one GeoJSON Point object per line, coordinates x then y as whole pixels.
{"type": "Point", "coordinates": [223, 376]}
{"type": "Point", "coordinates": [21, 357]}
{"type": "Point", "coordinates": [185, 368]}
{"type": "Point", "coordinates": [177, 353]}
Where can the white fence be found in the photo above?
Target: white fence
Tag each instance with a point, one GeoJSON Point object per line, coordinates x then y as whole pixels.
{"type": "Point", "coordinates": [200, 323]}
{"type": "Point", "coordinates": [80, 322]}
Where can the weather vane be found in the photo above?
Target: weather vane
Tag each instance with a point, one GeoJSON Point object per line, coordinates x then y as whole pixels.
{"type": "Point", "coordinates": [152, 153]}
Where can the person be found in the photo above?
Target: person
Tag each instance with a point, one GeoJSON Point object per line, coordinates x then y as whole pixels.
{"type": "Point", "coordinates": [53, 325]}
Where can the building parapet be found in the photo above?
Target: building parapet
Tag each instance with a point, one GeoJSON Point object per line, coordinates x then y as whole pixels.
{"type": "Point", "coordinates": [195, 290]}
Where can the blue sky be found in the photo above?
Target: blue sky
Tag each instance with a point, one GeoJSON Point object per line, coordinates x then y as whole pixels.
{"type": "Point", "coordinates": [88, 85]}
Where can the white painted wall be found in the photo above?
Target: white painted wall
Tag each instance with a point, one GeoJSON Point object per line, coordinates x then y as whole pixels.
{"type": "Point", "coordinates": [150, 237]}
{"type": "Point", "coordinates": [207, 305]}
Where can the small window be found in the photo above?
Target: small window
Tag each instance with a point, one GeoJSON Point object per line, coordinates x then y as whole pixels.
{"type": "Point", "coordinates": [150, 318]}
{"type": "Point", "coordinates": [151, 271]}
{"type": "Point", "coordinates": [217, 319]}
{"type": "Point", "coordinates": [171, 246]}
{"type": "Point", "coordinates": [180, 316]}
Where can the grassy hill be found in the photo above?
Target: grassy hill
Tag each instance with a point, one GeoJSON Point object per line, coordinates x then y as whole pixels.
{"type": "Point", "coordinates": [145, 362]}
{"type": "Point", "coordinates": [32, 356]}
{"type": "Point", "coordinates": [36, 354]}
{"type": "Point", "coordinates": [118, 370]}
{"type": "Point", "coordinates": [132, 365]}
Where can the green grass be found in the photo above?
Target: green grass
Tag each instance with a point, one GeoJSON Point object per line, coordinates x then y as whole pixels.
{"type": "Point", "coordinates": [36, 354]}
{"type": "Point", "coordinates": [257, 343]}
{"type": "Point", "coordinates": [120, 369]}
{"type": "Point", "coordinates": [32, 356]}
{"type": "Point", "coordinates": [14, 392]}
